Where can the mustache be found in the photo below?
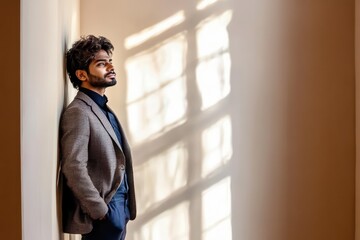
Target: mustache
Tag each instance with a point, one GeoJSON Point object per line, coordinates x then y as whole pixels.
{"type": "Point", "coordinates": [112, 72]}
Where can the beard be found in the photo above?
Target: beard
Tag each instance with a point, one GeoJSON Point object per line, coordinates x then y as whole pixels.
{"type": "Point", "coordinates": [101, 82]}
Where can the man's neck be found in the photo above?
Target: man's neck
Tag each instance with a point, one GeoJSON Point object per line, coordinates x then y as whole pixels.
{"type": "Point", "coordinates": [100, 91]}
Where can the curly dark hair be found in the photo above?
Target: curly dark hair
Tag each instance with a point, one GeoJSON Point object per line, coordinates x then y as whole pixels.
{"type": "Point", "coordinates": [82, 52]}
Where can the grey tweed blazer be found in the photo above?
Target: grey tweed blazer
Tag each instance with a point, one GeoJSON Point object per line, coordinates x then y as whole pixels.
{"type": "Point", "coordinates": [92, 165]}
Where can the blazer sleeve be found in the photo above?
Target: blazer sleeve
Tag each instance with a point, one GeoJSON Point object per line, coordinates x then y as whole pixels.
{"type": "Point", "coordinates": [75, 133]}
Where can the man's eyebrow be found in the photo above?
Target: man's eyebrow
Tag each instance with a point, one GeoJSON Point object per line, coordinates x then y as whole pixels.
{"type": "Point", "coordinates": [102, 60]}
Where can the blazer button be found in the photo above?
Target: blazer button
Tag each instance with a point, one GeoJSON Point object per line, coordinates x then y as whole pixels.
{"type": "Point", "coordinates": [122, 166]}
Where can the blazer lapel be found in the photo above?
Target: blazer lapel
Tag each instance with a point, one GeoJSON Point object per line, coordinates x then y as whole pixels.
{"type": "Point", "coordinates": [123, 136]}
{"type": "Point", "coordinates": [100, 115]}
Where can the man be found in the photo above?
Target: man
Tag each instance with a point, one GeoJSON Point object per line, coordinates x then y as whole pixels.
{"type": "Point", "coordinates": [98, 191]}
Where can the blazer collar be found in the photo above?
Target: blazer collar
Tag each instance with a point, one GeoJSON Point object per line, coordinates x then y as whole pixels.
{"type": "Point", "coordinates": [100, 115]}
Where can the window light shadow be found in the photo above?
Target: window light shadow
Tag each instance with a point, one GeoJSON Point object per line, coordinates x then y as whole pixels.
{"type": "Point", "coordinates": [161, 176]}
{"type": "Point", "coordinates": [216, 146]}
{"type": "Point", "coordinates": [157, 89]}
{"type": "Point", "coordinates": [213, 70]}
{"type": "Point", "coordinates": [153, 31]}
{"type": "Point", "coordinates": [172, 224]}
{"type": "Point", "coordinates": [178, 80]}
{"type": "Point", "coordinates": [205, 3]}
{"type": "Point", "coordinates": [217, 223]}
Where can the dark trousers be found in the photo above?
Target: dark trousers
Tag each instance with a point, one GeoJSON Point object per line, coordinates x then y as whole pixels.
{"type": "Point", "coordinates": [113, 227]}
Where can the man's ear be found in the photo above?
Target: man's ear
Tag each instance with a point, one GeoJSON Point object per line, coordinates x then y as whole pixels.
{"type": "Point", "coordinates": [81, 75]}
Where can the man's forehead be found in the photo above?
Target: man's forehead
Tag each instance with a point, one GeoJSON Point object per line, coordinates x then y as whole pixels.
{"type": "Point", "coordinates": [102, 54]}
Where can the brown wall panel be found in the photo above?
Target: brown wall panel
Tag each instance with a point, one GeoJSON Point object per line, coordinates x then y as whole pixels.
{"type": "Point", "coordinates": [10, 171]}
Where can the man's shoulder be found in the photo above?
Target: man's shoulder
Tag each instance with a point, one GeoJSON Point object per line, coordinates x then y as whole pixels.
{"type": "Point", "coordinates": [80, 101]}
{"type": "Point", "coordinates": [76, 103]}
{"type": "Point", "coordinates": [77, 108]}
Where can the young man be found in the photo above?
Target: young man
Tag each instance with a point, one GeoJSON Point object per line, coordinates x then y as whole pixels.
{"type": "Point", "coordinates": [98, 190]}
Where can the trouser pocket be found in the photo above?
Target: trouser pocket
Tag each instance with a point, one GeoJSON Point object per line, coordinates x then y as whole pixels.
{"type": "Point", "coordinates": [118, 214]}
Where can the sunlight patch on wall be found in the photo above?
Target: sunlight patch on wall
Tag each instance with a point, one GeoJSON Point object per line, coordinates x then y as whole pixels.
{"type": "Point", "coordinates": [156, 97]}
{"type": "Point", "coordinates": [216, 146]}
{"type": "Point", "coordinates": [216, 211]}
{"type": "Point", "coordinates": [205, 3]}
{"type": "Point", "coordinates": [155, 30]}
{"type": "Point", "coordinates": [172, 224]}
{"type": "Point", "coordinates": [160, 176]}
{"type": "Point", "coordinates": [213, 70]}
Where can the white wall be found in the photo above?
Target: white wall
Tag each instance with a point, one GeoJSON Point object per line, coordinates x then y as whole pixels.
{"type": "Point", "coordinates": [47, 28]}
{"type": "Point", "coordinates": [292, 107]}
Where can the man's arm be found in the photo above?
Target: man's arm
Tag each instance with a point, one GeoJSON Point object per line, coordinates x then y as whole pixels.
{"type": "Point", "coordinates": [74, 145]}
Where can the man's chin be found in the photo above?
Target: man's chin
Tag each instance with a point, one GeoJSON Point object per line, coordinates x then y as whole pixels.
{"type": "Point", "coordinates": [112, 82]}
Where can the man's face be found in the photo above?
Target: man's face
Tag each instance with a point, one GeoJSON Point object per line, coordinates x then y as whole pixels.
{"type": "Point", "coordinates": [101, 71]}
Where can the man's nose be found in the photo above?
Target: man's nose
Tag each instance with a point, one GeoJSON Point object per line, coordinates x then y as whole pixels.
{"type": "Point", "coordinates": [110, 67]}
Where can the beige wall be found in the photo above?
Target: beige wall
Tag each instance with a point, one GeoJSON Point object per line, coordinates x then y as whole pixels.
{"type": "Point", "coordinates": [296, 148]}
{"type": "Point", "coordinates": [47, 28]}
{"type": "Point", "coordinates": [292, 106]}
{"type": "Point", "coordinates": [10, 207]}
